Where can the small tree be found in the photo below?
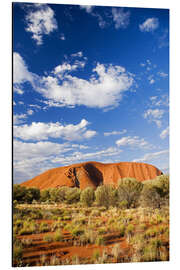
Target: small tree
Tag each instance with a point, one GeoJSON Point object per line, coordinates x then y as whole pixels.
{"type": "Point", "coordinates": [129, 190]}
{"type": "Point", "coordinates": [32, 193]}
{"type": "Point", "coordinates": [72, 195]}
{"type": "Point", "coordinates": [150, 196]}
{"type": "Point", "coordinates": [18, 193]}
{"type": "Point", "coordinates": [106, 195]}
{"type": "Point", "coordinates": [155, 192]}
{"type": "Point", "coordinates": [45, 195]}
{"type": "Point", "coordinates": [87, 196]}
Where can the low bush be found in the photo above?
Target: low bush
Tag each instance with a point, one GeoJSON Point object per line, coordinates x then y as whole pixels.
{"type": "Point", "coordinates": [48, 238]}
{"type": "Point", "coordinates": [87, 196]}
{"type": "Point", "coordinates": [58, 236]}
{"type": "Point", "coordinates": [129, 190]}
{"type": "Point", "coordinates": [106, 195]}
{"type": "Point", "coordinates": [100, 240]}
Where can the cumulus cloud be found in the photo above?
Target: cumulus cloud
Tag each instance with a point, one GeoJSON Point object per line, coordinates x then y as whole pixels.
{"type": "Point", "coordinates": [108, 82]}
{"type": "Point", "coordinates": [40, 21]}
{"type": "Point", "coordinates": [154, 115]}
{"type": "Point", "coordinates": [61, 88]}
{"type": "Point", "coordinates": [20, 72]}
{"type": "Point", "coordinates": [66, 67]}
{"type": "Point", "coordinates": [30, 159]}
{"type": "Point", "coordinates": [149, 25]}
{"type": "Point", "coordinates": [133, 142]}
{"type": "Point", "coordinates": [120, 17]}
{"type": "Point", "coordinates": [164, 133]}
{"type": "Point", "coordinates": [19, 118]}
{"type": "Point", "coordinates": [115, 132]}
{"type": "Point", "coordinates": [43, 131]}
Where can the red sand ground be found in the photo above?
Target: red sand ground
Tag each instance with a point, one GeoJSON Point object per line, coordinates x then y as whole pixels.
{"type": "Point", "coordinates": [92, 174]}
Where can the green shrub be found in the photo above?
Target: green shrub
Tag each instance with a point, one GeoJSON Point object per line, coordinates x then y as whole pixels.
{"type": "Point", "coordinates": [129, 190]}
{"type": "Point", "coordinates": [58, 236]}
{"type": "Point", "coordinates": [48, 238]}
{"type": "Point", "coordinates": [43, 227]}
{"type": "Point", "coordinates": [150, 196]}
{"type": "Point", "coordinates": [87, 196]}
{"type": "Point", "coordinates": [17, 253]}
{"type": "Point", "coordinates": [106, 195]}
{"type": "Point", "coordinates": [130, 229]}
{"type": "Point", "coordinates": [100, 240]}
{"type": "Point", "coordinates": [96, 254]}
{"type": "Point", "coordinates": [72, 195]}
{"type": "Point", "coordinates": [45, 195]}
{"type": "Point", "coordinates": [22, 194]}
{"type": "Point", "coordinates": [121, 230]}
{"type": "Point", "coordinates": [77, 231]}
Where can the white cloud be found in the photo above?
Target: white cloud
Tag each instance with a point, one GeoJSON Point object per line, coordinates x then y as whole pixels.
{"type": "Point", "coordinates": [66, 67]}
{"type": "Point", "coordinates": [115, 132]}
{"type": "Point", "coordinates": [20, 72]}
{"type": "Point", "coordinates": [79, 156]}
{"type": "Point", "coordinates": [30, 159]}
{"type": "Point", "coordinates": [30, 112]}
{"type": "Point", "coordinates": [120, 17]}
{"type": "Point", "coordinates": [154, 115]}
{"type": "Point", "coordinates": [107, 81]}
{"type": "Point", "coordinates": [78, 54]}
{"type": "Point", "coordinates": [17, 89]}
{"type": "Point", "coordinates": [152, 81]}
{"type": "Point", "coordinates": [43, 131]}
{"type": "Point", "coordinates": [62, 37]}
{"type": "Point", "coordinates": [152, 156]}
{"type": "Point", "coordinates": [149, 25]}
{"type": "Point", "coordinates": [133, 142]}
{"type": "Point", "coordinates": [87, 8]}
{"type": "Point", "coordinates": [19, 118]}
{"type": "Point", "coordinates": [164, 133]}
{"type": "Point", "coordinates": [162, 74]}
{"type": "Point", "coordinates": [159, 101]}
{"type": "Point", "coordinates": [40, 21]}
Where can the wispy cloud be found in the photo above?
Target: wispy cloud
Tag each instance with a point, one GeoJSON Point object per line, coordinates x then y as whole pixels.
{"type": "Point", "coordinates": [162, 74]}
{"type": "Point", "coordinates": [19, 118]}
{"type": "Point", "coordinates": [40, 21]}
{"type": "Point", "coordinates": [149, 25]}
{"type": "Point", "coordinates": [164, 133]}
{"type": "Point", "coordinates": [154, 115]}
{"type": "Point", "coordinates": [115, 132]}
{"type": "Point", "coordinates": [152, 156]}
{"type": "Point", "coordinates": [121, 18]}
{"type": "Point", "coordinates": [43, 131]}
{"type": "Point", "coordinates": [133, 142]}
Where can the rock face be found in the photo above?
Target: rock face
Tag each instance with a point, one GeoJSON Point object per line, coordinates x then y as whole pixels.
{"type": "Point", "coordinates": [92, 174]}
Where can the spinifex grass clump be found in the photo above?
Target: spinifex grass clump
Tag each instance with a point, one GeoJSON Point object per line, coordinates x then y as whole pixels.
{"type": "Point", "coordinates": [58, 236]}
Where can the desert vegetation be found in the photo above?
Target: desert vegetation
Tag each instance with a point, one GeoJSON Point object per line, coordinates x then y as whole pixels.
{"type": "Point", "coordinates": [110, 224]}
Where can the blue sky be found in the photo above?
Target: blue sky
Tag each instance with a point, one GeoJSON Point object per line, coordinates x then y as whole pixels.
{"type": "Point", "coordinates": [89, 83]}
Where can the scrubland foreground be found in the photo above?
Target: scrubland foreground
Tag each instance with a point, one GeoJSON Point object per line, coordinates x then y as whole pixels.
{"type": "Point", "coordinates": [64, 226]}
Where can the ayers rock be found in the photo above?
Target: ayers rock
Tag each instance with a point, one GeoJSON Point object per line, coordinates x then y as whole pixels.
{"type": "Point", "coordinates": [92, 174]}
